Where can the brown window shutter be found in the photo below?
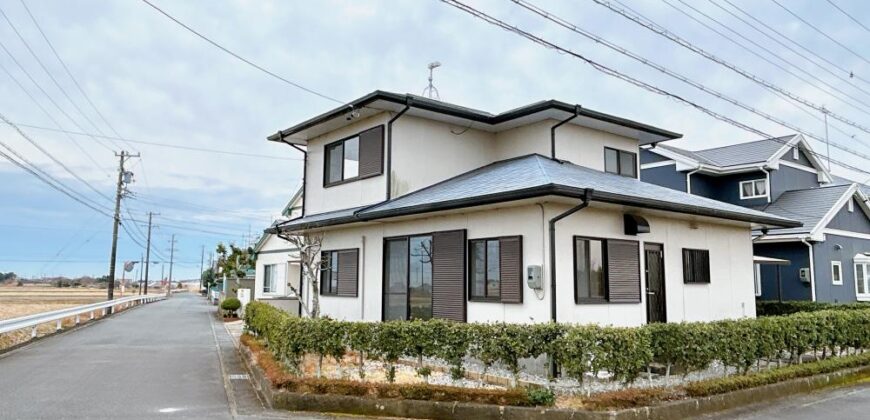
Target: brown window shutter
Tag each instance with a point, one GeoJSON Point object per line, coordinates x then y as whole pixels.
{"type": "Point", "coordinates": [511, 261]}
{"type": "Point", "coordinates": [623, 271]}
{"type": "Point", "coordinates": [348, 273]}
{"type": "Point", "coordinates": [371, 152]}
{"type": "Point", "coordinates": [448, 275]}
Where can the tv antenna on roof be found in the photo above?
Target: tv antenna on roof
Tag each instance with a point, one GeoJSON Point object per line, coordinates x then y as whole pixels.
{"type": "Point", "coordinates": [430, 91]}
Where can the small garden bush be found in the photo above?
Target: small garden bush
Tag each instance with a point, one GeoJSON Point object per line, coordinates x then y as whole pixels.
{"type": "Point", "coordinates": [581, 350]}
{"type": "Point", "coordinates": [231, 305]}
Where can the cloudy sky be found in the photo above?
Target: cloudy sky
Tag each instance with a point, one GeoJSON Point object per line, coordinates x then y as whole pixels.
{"type": "Point", "coordinates": [152, 81]}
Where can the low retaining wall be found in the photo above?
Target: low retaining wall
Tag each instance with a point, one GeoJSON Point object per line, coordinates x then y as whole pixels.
{"type": "Point", "coordinates": [283, 399]}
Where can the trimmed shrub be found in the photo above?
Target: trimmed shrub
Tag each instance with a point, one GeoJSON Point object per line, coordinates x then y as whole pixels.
{"type": "Point", "coordinates": [623, 353]}
{"type": "Point", "coordinates": [775, 308]}
{"type": "Point", "coordinates": [231, 305]}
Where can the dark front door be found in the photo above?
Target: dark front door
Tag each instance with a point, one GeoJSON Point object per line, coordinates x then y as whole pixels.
{"type": "Point", "coordinates": [655, 283]}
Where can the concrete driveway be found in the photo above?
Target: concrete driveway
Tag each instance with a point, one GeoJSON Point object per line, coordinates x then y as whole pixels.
{"type": "Point", "coordinates": [851, 402]}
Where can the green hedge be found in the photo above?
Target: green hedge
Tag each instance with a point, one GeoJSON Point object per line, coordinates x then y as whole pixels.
{"type": "Point", "coordinates": [775, 308]}
{"type": "Point", "coordinates": [580, 349]}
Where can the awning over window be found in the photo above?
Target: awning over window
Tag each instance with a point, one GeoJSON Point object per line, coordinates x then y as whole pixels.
{"type": "Point", "coordinates": [635, 224]}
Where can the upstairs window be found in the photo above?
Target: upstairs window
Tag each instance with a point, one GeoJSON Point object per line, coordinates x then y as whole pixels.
{"type": "Point", "coordinates": [851, 205]}
{"type": "Point", "coordinates": [696, 266]}
{"type": "Point", "coordinates": [620, 162]}
{"type": "Point", "coordinates": [795, 153]}
{"type": "Point", "coordinates": [756, 188]}
{"type": "Point", "coordinates": [355, 157]}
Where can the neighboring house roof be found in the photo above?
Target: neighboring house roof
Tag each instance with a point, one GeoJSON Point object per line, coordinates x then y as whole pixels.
{"type": "Point", "coordinates": [814, 207]}
{"type": "Point", "coordinates": [758, 151]}
{"type": "Point", "coordinates": [294, 202]}
{"type": "Point", "coordinates": [535, 176]}
{"type": "Point", "coordinates": [380, 101]}
{"type": "Point", "coordinates": [741, 156]}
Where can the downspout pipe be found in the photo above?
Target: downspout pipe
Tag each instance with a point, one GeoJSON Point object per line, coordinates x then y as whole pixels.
{"type": "Point", "coordinates": [389, 166]}
{"type": "Point", "coordinates": [812, 270]}
{"type": "Point", "coordinates": [586, 195]}
{"type": "Point", "coordinates": [559, 124]}
{"type": "Point", "coordinates": [304, 166]}
{"type": "Point", "coordinates": [766, 181]}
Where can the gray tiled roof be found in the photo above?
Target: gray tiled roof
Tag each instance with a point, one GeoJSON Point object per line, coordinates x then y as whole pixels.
{"type": "Point", "coordinates": [807, 206]}
{"type": "Point", "coordinates": [736, 154]}
{"type": "Point", "coordinates": [536, 175]}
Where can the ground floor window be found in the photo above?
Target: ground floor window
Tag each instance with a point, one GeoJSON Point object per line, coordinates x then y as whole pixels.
{"type": "Point", "coordinates": [269, 274]}
{"type": "Point", "coordinates": [696, 266]}
{"type": "Point", "coordinates": [606, 270]}
{"type": "Point", "coordinates": [495, 269]}
{"type": "Point", "coordinates": [408, 293]}
{"type": "Point", "coordinates": [591, 281]}
{"type": "Point", "coordinates": [836, 272]}
{"type": "Point", "coordinates": [339, 273]}
{"type": "Point", "coordinates": [757, 280]}
{"type": "Point", "coordinates": [862, 280]}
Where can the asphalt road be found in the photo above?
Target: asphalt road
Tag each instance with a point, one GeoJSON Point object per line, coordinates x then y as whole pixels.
{"type": "Point", "coordinates": [156, 361]}
{"type": "Point", "coordinates": [851, 402]}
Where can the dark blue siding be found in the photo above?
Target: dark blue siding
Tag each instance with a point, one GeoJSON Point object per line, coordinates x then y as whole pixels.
{"type": "Point", "coordinates": [726, 188]}
{"type": "Point", "coordinates": [787, 178]}
{"type": "Point", "coordinates": [666, 176]}
{"type": "Point", "coordinates": [855, 221]}
{"type": "Point", "coordinates": [792, 287]}
{"type": "Point", "coordinates": [824, 253]}
{"type": "Point", "coordinates": [649, 157]}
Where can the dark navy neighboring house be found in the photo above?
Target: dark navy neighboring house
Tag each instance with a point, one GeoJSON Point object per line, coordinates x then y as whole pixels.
{"type": "Point", "coordinates": [828, 257]}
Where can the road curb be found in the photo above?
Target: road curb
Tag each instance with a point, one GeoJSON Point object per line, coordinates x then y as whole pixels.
{"type": "Point", "coordinates": [285, 400]}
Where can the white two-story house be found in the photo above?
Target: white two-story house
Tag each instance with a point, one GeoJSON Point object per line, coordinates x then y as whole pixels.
{"type": "Point", "coordinates": [433, 210]}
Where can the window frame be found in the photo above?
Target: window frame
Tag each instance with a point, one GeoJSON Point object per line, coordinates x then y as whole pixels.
{"type": "Point", "coordinates": [470, 271]}
{"type": "Point", "coordinates": [753, 182]}
{"type": "Point", "coordinates": [757, 275]}
{"type": "Point", "coordinates": [619, 169]}
{"type": "Point", "coordinates": [862, 297]}
{"type": "Point", "coordinates": [709, 266]}
{"type": "Point", "coordinates": [385, 270]}
{"type": "Point", "coordinates": [605, 268]}
{"type": "Point", "coordinates": [837, 267]}
{"type": "Point", "coordinates": [335, 293]}
{"type": "Point", "coordinates": [326, 282]}
{"type": "Point", "coordinates": [268, 279]}
{"type": "Point", "coordinates": [326, 147]}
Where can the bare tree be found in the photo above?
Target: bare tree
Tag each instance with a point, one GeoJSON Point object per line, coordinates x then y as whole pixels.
{"type": "Point", "coordinates": [309, 245]}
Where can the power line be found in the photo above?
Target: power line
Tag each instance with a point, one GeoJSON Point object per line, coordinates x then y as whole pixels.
{"type": "Point", "coordinates": [50, 117]}
{"type": "Point", "coordinates": [151, 143]}
{"type": "Point", "coordinates": [848, 15]}
{"type": "Point", "coordinates": [821, 32]}
{"type": "Point", "coordinates": [850, 73]}
{"type": "Point", "coordinates": [580, 31]}
{"type": "Point", "coordinates": [48, 72]}
{"type": "Point", "coordinates": [46, 152]}
{"type": "Point", "coordinates": [49, 97]}
{"type": "Point", "coordinates": [654, 27]}
{"type": "Point", "coordinates": [615, 73]}
{"type": "Point", "coordinates": [239, 57]}
{"type": "Point", "coordinates": [44, 177]}
{"type": "Point", "coordinates": [69, 73]}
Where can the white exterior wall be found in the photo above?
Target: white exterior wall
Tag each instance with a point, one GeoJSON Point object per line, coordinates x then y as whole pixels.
{"type": "Point", "coordinates": [352, 194]}
{"type": "Point", "coordinates": [276, 251]}
{"type": "Point", "coordinates": [426, 152]}
{"type": "Point", "coordinates": [585, 146]}
{"type": "Point", "coordinates": [729, 295]}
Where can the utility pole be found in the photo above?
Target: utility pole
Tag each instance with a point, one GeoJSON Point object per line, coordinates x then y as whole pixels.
{"type": "Point", "coordinates": [141, 270]}
{"type": "Point", "coordinates": [171, 261]}
{"type": "Point", "coordinates": [124, 178]}
{"type": "Point", "coordinates": [148, 252]}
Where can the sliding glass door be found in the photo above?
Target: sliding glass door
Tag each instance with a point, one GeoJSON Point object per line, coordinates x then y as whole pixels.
{"type": "Point", "coordinates": [408, 278]}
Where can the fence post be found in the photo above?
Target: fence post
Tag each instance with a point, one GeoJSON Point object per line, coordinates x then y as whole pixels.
{"type": "Point", "coordinates": [33, 332]}
{"type": "Point", "coordinates": [92, 314]}
{"type": "Point", "coordinates": [78, 319]}
{"type": "Point", "coordinates": [58, 325]}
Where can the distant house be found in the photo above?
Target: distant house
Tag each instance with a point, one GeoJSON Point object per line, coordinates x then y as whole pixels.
{"type": "Point", "coordinates": [828, 255]}
{"type": "Point", "coordinates": [434, 210]}
{"type": "Point", "coordinates": [278, 269]}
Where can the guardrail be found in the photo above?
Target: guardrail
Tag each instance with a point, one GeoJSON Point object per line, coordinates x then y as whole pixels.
{"type": "Point", "coordinates": [32, 321]}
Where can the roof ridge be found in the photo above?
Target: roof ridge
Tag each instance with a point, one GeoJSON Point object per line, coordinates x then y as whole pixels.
{"type": "Point", "coordinates": [743, 143]}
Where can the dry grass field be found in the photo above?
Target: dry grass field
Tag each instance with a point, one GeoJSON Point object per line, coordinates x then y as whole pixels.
{"type": "Point", "coordinates": [27, 300]}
